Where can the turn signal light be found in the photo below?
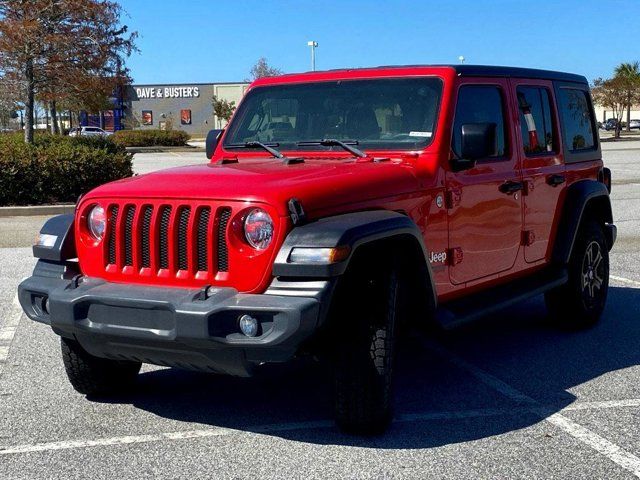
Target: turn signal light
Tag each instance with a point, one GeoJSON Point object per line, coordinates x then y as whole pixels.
{"type": "Point", "coordinates": [319, 255]}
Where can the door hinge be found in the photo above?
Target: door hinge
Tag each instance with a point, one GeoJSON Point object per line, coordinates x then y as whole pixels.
{"type": "Point", "coordinates": [528, 187]}
{"type": "Point", "coordinates": [528, 238]}
{"type": "Point", "coordinates": [455, 256]}
{"type": "Point", "coordinates": [452, 198]}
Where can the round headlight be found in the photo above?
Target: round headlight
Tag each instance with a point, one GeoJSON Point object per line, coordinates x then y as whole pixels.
{"type": "Point", "coordinates": [97, 222]}
{"type": "Point", "coordinates": [258, 229]}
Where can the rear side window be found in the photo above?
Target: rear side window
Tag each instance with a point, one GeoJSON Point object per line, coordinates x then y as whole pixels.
{"type": "Point", "coordinates": [536, 122]}
{"type": "Point", "coordinates": [480, 104]}
{"type": "Point", "coordinates": [577, 120]}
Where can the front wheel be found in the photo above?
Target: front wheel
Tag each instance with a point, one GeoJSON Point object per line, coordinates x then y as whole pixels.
{"type": "Point", "coordinates": [92, 375]}
{"type": "Point", "coordinates": [365, 355]}
{"type": "Point", "coordinates": [580, 302]}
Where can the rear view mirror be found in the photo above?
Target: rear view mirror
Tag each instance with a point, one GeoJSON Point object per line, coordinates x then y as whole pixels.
{"type": "Point", "coordinates": [478, 140]}
{"type": "Point", "coordinates": [212, 142]}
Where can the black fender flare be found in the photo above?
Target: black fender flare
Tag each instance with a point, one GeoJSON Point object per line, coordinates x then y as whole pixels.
{"type": "Point", "coordinates": [353, 230]}
{"type": "Point", "coordinates": [581, 197]}
{"type": "Point", "coordinates": [64, 247]}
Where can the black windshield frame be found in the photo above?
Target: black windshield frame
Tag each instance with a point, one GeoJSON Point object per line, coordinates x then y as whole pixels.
{"type": "Point", "coordinates": [426, 113]}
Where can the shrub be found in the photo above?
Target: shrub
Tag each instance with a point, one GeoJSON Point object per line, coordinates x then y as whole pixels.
{"type": "Point", "coordinates": [57, 169]}
{"type": "Point", "coordinates": [151, 138]}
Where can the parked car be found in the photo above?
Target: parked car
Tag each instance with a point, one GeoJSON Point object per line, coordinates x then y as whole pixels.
{"type": "Point", "coordinates": [634, 124]}
{"type": "Point", "coordinates": [88, 132]}
{"type": "Point", "coordinates": [397, 196]}
{"type": "Point", "coordinates": [610, 124]}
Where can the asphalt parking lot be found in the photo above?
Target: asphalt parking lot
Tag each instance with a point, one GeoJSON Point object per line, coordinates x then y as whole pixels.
{"type": "Point", "coordinates": [509, 397]}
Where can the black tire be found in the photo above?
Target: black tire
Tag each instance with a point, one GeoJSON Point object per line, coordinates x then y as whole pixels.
{"type": "Point", "coordinates": [580, 302]}
{"type": "Point", "coordinates": [96, 376]}
{"type": "Point", "coordinates": [365, 354]}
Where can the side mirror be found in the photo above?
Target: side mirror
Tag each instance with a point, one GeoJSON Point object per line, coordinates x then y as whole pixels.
{"type": "Point", "coordinates": [478, 140]}
{"type": "Point", "coordinates": [212, 142]}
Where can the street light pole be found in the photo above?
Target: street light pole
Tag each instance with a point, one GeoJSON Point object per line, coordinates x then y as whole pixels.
{"type": "Point", "coordinates": [313, 46]}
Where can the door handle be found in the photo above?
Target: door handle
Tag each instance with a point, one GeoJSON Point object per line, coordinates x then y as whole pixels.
{"type": "Point", "coordinates": [555, 180]}
{"type": "Point", "coordinates": [511, 187]}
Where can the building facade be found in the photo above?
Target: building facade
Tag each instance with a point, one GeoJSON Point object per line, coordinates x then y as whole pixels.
{"type": "Point", "coordinates": [185, 107]}
{"type": "Point", "coordinates": [603, 114]}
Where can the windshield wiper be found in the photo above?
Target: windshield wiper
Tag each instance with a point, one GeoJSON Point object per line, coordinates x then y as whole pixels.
{"type": "Point", "coordinates": [331, 142]}
{"type": "Point", "coordinates": [265, 146]}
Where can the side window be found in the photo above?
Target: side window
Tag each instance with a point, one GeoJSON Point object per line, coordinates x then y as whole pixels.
{"type": "Point", "coordinates": [577, 119]}
{"type": "Point", "coordinates": [535, 120]}
{"type": "Point", "coordinates": [480, 104]}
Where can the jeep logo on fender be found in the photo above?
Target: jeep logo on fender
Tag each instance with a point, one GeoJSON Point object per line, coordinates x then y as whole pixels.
{"type": "Point", "coordinates": [438, 257]}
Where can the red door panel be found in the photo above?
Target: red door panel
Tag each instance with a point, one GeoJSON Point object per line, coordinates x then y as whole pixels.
{"type": "Point", "coordinates": [542, 164]}
{"type": "Point", "coordinates": [484, 223]}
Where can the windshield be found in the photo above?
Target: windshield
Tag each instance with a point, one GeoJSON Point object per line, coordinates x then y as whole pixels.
{"type": "Point", "coordinates": [385, 114]}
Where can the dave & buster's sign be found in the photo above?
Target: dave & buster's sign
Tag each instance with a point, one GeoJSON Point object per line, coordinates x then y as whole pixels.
{"type": "Point", "coordinates": [168, 92]}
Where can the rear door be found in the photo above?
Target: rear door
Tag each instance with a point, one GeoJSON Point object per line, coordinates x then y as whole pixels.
{"type": "Point", "coordinates": [484, 203]}
{"type": "Point", "coordinates": [541, 159]}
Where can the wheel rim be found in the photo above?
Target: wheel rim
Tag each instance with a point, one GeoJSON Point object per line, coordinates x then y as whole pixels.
{"type": "Point", "coordinates": [593, 272]}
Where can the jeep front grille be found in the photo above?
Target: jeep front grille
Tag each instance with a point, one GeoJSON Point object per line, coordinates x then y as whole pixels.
{"type": "Point", "coordinates": [183, 241]}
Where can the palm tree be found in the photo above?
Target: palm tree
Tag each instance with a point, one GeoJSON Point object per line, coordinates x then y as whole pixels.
{"type": "Point", "coordinates": [630, 72]}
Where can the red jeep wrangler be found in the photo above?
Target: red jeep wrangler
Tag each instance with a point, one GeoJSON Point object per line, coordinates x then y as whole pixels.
{"type": "Point", "coordinates": [335, 205]}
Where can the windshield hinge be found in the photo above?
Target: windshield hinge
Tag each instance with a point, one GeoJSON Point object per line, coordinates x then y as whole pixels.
{"type": "Point", "coordinates": [296, 212]}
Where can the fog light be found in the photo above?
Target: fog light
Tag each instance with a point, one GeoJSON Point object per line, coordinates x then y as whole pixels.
{"type": "Point", "coordinates": [248, 325]}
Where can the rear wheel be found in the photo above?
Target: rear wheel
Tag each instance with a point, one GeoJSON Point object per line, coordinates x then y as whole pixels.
{"type": "Point", "coordinates": [365, 354]}
{"type": "Point", "coordinates": [92, 375]}
{"type": "Point", "coordinates": [581, 301]}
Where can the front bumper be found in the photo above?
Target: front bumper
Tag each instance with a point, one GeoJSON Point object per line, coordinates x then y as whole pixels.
{"type": "Point", "coordinates": [185, 328]}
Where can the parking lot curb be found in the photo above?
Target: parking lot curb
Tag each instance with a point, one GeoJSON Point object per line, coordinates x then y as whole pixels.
{"type": "Point", "coordinates": [36, 210]}
{"type": "Point", "coordinates": [159, 149]}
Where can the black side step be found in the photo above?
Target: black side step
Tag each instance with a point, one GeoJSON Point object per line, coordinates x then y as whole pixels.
{"type": "Point", "coordinates": [458, 312]}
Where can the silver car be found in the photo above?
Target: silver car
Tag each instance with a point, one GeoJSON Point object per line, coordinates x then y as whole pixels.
{"type": "Point", "coordinates": [634, 124]}
{"type": "Point", "coordinates": [89, 132]}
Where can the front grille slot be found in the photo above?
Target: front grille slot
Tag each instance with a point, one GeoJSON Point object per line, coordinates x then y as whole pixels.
{"type": "Point", "coordinates": [183, 230]}
{"type": "Point", "coordinates": [111, 241]}
{"type": "Point", "coordinates": [221, 244]}
{"type": "Point", "coordinates": [165, 217]}
{"type": "Point", "coordinates": [145, 234]}
{"type": "Point", "coordinates": [202, 239]}
{"type": "Point", "coordinates": [128, 235]}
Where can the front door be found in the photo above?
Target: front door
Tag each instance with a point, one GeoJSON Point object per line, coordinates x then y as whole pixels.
{"type": "Point", "coordinates": [484, 202]}
{"type": "Point", "coordinates": [542, 166]}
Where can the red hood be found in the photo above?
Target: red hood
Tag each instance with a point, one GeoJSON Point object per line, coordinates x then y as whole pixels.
{"type": "Point", "coordinates": [318, 184]}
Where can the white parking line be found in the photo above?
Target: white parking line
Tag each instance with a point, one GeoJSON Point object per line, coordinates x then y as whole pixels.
{"type": "Point", "coordinates": [634, 402]}
{"type": "Point", "coordinates": [534, 409]}
{"type": "Point", "coordinates": [220, 431]}
{"type": "Point", "coordinates": [613, 452]}
{"type": "Point", "coordinates": [624, 280]}
{"type": "Point", "coordinates": [8, 331]}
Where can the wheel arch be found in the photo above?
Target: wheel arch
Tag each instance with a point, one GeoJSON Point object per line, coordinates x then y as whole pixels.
{"type": "Point", "coordinates": [370, 236]}
{"type": "Point", "coordinates": [585, 199]}
{"type": "Point", "coordinates": [61, 229]}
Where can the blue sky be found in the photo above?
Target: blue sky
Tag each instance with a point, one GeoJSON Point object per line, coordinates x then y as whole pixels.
{"type": "Point", "coordinates": [219, 40]}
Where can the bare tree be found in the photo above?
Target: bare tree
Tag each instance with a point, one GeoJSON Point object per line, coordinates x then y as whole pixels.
{"type": "Point", "coordinates": [263, 69]}
{"type": "Point", "coordinates": [62, 49]}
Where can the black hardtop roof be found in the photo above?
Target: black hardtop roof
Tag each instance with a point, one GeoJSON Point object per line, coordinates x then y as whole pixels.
{"type": "Point", "coordinates": [518, 72]}
{"type": "Point", "coordinates": [486, 71]}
